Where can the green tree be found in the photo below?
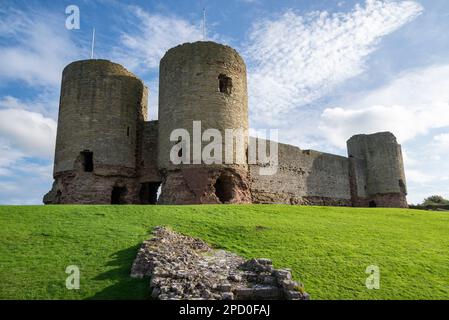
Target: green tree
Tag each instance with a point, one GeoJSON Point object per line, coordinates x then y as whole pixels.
{"type": "Point", "coordinates": [435, 200]}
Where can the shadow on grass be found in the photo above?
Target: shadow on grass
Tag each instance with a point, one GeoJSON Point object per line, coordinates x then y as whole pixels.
{"type": "Point", "coordinates": [124, 286]}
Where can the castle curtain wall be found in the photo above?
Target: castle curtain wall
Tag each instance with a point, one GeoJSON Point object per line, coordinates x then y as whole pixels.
{"type": "Point", "coordinates": [303, 177]}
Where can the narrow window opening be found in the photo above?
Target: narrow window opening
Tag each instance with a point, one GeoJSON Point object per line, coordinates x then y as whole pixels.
{"type": "Point", "coordinates": [87, 158]}
{"type": "Point", "coordinates": [372, 204]}
{"type": "Point", "coordinates": [149, 192]}
{"type": "Point", "coordinates": [118, 195]}
{"type": "Point", "coordinates": [224, 189]}
{"type": "Point", "coordinates": [127, 131]}
{"type": "Point", "coordinates": [224, 84]}
{"type": "Point", "coordinates": [159, 191]}
{"type": "Point", "coordinates": [402, 186]}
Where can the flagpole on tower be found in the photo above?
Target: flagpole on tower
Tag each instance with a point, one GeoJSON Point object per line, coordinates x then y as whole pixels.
{"type": "Point", "coordinates": [93, 44]}
{"type": "Point", "coordinates": [204, 24]}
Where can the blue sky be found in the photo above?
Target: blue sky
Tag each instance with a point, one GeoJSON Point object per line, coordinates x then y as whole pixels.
{"type": "Point", "coordinates": [319, 71]}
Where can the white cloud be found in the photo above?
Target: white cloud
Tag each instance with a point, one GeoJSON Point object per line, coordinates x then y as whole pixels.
{"type": "Point", "coordinates": [142, 47]}
{"type": "Point", "coordinates": [413, 104]}
{"type": "Point", "coordinates": [295, 60]}
{"type": "Point", "coordinates": [425, 171]}
{"type": "Point", "coordinates": [36, 47]}
{"type": "Point", "coordinates": [442, 140]}
{"type": "Point", "coordinates": [26, 132]}
{"type": "Point", "coordinates": [9, 102]}
{"type": "Point", "coordinates": [8, 157]}
{"type": "Point", "coordinates": [46, 103]}
{"type": "Point", "coordinates": [26, 183]}
{"type": "Point", "coordinates": [417, 176]}
{"type": "Point", "coordinates": [27, 141]}
{"type": "Point", "coordinates": [153, 35]}
{"type": "Point", "coordinates": [44, 172]}
{"type": "Point", "coordinates": [153, 98]}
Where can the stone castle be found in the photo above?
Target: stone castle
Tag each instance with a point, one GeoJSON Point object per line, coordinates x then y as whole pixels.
{"type": "Point", "coordinates": [107, 151]}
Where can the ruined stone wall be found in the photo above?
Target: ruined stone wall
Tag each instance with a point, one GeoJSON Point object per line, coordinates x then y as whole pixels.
{"type": "Point", "coordinates": [303, 177]}
{"type": "Point", "coordinates": [148, 168]}
{"type": "Point", "coordinates": [357, 181]}
{"type": "Point", "coordinates": [198, 185]}
{"type": "Point", "coordinates": [79, 187]}
{"type": "Point", "coordinates": [378, 170]}
{"type": "Point", "coordinates": [185, 268]}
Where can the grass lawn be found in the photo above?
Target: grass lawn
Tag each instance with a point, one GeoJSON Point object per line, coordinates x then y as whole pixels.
{"type": "Point", "coordinates": [327, 248]}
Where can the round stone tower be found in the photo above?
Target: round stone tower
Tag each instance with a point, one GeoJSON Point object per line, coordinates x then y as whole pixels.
{"type": "Point", "coordinates": [101, 107]}
{"type": "Point", "coordinates": [202, 86]}
{"type": "Point", "coordinates": [377, 171]}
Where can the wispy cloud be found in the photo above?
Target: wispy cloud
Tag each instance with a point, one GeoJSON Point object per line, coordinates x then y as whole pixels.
{"type": "Point", "coordinates": [153, 34]}
{"type": "Point", "coordinates": [441, 141]}
{"type": "Point", "coordinates": [417, 176]}
{"type": "Point", "coordinates": [29, 133]}
{"type": "Point", "coordinates": [38, 47]}
{"type": "Point", "coordinates": [413, 104]}
{"type": "Point", "coordinates": [27, 141]}
{"type": "Point", "coordinates": [35, 47]}
{"type": "Point", "coordinates": [8, 157]}
{"type": "Point", "coordinates": [142, 46]}
{"type": "Point", "coordinates": [25, 182]}
{"type": "Point", "coordinates": [414, 107]}
{"type": "Point", "coordinates": [296, 59]}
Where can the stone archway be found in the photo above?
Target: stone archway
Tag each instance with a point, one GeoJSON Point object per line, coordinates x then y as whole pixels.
{"type": "Point", "coordinates": [224, 188]}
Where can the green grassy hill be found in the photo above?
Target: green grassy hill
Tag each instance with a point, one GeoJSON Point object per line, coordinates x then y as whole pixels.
{"type": "Point", "coordinates": [327, 248]}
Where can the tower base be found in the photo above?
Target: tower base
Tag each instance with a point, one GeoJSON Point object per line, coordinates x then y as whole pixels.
{"type": "Point", "coordinates": [205, 186]}
{"type": "Point", "coordinates": [87, 188]}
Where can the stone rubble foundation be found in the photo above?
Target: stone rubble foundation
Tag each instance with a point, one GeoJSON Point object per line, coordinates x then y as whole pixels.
{"type": "Point", "coordinates": [182, 267]}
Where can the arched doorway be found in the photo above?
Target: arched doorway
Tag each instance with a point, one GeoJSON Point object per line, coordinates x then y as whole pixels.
{"type": "Point", "coordinates": [224, 188]}
{"type": "Point", "coordinates": [118, 195]}
{"type": "Point", "coordinates": [149, 192]}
